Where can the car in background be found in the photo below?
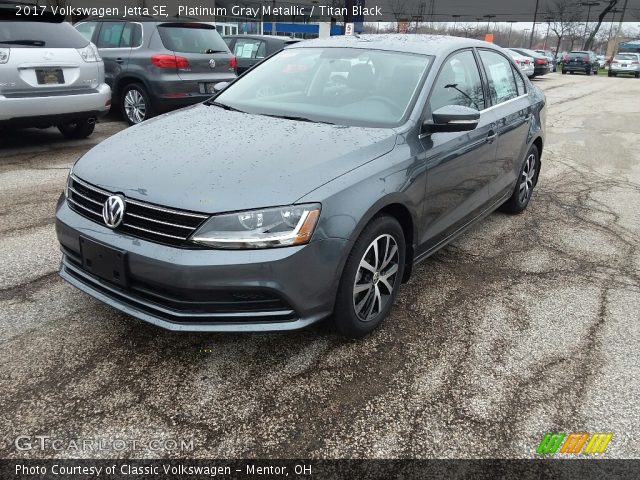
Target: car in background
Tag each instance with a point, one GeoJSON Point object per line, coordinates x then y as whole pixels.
{"type": "Point", "coordinates": [541, 65]}
{"type": "Point", "coordinates": [602, 61]}
{"type": "Point", "coordinates": [316, 197]}
{"type": "Point", "coordinates": [548, 54]}
{"type": "Point", "coordinates": [252, 49]}
{"type": "Point", "coordinates": [580, 61]}
{"type": "Point", "coordinates": [154, 67]}
{"type": "Point", "coordinates": [50, 75]}
{"type": "Point", "coordinates": [625, 64]}
{"type": "Point", "coordinates": [525, 64]}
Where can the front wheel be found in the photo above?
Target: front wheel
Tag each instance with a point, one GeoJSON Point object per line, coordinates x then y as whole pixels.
{"type": "Point", "coordinates": [527, 180]}
{"type": "Point", "coordinates": [78, 130]}
{"type": "Point", "coordinates": [371, 278]}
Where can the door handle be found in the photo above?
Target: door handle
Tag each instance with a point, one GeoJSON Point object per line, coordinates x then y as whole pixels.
{"type": "Point", "coordinates": [491, 136]}
{"type": "Point", "coordinates": [119, 60]}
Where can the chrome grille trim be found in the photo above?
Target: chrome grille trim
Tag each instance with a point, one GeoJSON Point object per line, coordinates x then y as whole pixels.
{"type": "Point", "coordinates": [143, 220]}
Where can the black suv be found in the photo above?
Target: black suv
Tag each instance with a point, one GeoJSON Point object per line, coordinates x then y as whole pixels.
{"type": "Point", "coordinates": [153, 67]}
{"type": "Point", "coordinates": [580, 61]}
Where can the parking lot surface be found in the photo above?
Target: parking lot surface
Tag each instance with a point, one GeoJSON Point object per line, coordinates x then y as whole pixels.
{"type": "Point", "coordinates": [524, 325]}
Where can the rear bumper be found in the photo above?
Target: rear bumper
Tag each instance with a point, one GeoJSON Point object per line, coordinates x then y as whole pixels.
{"type": "Point", "coordinates": [629, 70]}
{"type": "Point", "coordinates": [576, 68]}
{"type": "Point", "coordinates": [208, 290]}
{"type": "Point", "coordinates": [169, 95]}
{"type": "Point", "coordinates": [55, 109]}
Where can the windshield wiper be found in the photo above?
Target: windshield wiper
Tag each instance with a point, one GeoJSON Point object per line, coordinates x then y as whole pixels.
{"type": "Point", "coordinates": [223, 105]}
{"type": "Point", "coordinates": [36, 43]}
{"type": "Point", "coordinates": [210, 50]}
{"type": "Point", "coordinates": [299, 119]}
{"type": "Point", "coordinates": [455, 87]}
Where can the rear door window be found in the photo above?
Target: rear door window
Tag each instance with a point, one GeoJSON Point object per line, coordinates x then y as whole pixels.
{"type": "Point", "coordinates": [41, 35]}
{"type": "Point", "coordinates": [250, 48]}
{"type": "Point", "coordinates": [502, 84]}
{"type": "Point", "coordinates": [191, 38]}
{"type": "Point", "coordinates": [519, 81]}
{"type": "Point", "coordinates": [131, 35]}
{"type": "Point", "coordinates": [110, 34]}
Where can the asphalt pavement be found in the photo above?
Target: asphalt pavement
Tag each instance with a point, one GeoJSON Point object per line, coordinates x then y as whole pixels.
{"type": "Point", "coordinates": [526, 324]}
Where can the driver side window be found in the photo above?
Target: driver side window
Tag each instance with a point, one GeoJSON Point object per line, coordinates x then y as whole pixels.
{"type": "Point", "coordinates": [458, 83]}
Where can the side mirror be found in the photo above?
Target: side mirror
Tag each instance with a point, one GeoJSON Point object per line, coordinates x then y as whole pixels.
{"type": "Point", "coordinates": [452, 118]}
{"type": "Point", "coordinates": [220, 86]}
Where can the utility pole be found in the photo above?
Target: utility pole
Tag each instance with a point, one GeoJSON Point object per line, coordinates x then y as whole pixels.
{"type": "Point", "coordinates": [533, 27]}
{"type": "Point", "coordinates": [587, 4]}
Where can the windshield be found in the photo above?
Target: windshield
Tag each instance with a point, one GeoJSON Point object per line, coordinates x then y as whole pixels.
{"type": "Point", "coordinates": [346, 86]}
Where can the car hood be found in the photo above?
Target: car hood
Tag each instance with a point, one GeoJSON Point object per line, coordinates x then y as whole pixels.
{"type": "Point", "coordinates": [207, 159]}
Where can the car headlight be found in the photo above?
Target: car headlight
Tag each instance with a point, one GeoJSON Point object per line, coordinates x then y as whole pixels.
{"type": "Point", "coordinates": [4, 55]}
{"type": "Point", "coordinates": [265, 228]}
{"type": "Point", "coordinates": [90, 53]}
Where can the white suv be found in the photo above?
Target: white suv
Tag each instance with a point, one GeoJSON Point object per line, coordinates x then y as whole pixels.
{"type": "Point", "coordinates": [50, 75]}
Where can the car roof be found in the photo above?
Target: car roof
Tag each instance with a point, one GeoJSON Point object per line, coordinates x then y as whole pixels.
{"type": "Point", "coordinates": [422, 44]}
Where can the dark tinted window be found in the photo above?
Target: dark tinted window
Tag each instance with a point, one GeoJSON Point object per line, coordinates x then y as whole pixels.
{"type": "Point", "coordinates": [578, 55]}
{"type": "Point", "coordinates": [41, 35]}
{"type": "Point", "coordinates": [110, 35]}
{"type": "Point", "coordinates": [502, 85]}
{"type": "Point", "coordinates": [458, 83]}
{"type": "Point", "coordinates": [191, 38]}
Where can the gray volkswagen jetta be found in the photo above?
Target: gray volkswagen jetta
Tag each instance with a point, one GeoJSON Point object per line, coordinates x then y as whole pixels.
{"type": "Point", "coordinates": [305, 189]}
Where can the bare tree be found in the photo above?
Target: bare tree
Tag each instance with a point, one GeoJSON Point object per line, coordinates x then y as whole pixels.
{"type": "Point", "coordinates": [608, 7]}
{"type": "Point", "coordinates": [564, 18]}
{"type": "Point", "coordinates": [398, 8]}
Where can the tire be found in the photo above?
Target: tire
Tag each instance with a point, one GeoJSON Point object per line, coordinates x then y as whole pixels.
{"type": "Point", "coordinates": [587, 72]}
{"type": "Point", "coordinates": [609, 74]}
{"type": "Point", "coordinates": [135, 104]}
{"type": "Point", "coordinates": [527, 180]}
{"type": "Point", "coordinates": [637, 74]}
{"type": "Point", "coordinates": [364, 299]}
{"type": "Point", "coordinates": [564, 72]}
{"type": "Point", "coordinates": [77, 130]}
{"type": "Point", "coordinates": [571, 72]}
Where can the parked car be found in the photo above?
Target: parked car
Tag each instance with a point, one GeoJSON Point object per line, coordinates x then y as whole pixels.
{"type": "Point", "coordinates": [50, 75]}
{"type": "Point", "coordinates": [252, 49]}
{"type": "Point", "coordinates": [541, 64]}
{"type": "Point", "coordinates": [580, 61]}
{"type": "Point", "coordinates": [312, 199]}
{"type": "Point", "coordinates": [625, 63]}
{"type": "Point", "coordinates": [602, 61]}
{"type": "Point", "coordinates": [524, 63]}
{"type": "Point", "coordinates": [551, 58]}
{"type": "Point", "coordinates": [155, 67]}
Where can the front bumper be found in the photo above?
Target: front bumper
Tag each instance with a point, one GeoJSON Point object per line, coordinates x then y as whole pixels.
{"type": "Point", "coordinates": [36, 110]}
{"type": "Point", "coordinates": [207, 290]}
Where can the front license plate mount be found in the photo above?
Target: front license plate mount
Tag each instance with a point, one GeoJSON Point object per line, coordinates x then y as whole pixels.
{"type": "Point", "coordinates": [108, 263]}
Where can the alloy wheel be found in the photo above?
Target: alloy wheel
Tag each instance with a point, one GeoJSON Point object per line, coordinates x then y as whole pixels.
{"type": "Point", "coordinates": [527, 178]}
{"type": "Point", "coordinates": [134, 106]}
{"type": "Point", "coordinates": [376, 277]}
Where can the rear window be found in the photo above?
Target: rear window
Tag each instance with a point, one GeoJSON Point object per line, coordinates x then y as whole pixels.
{"type": "Point", "coordinates": [628, 56]}
{"type": "Point", "coordinates": [578, 55]}
{"type": "Point", "coordinates": [191, 38]}
{"type": "Point", "coordinates": [41, 35]}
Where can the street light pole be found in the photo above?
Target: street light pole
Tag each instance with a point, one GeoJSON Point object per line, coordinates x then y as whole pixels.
{"type": "Point", "coordinates": [489, 17]}
{"type": "Point", "coordinates": [455, 22]}
{"type": "Point", "coordinates": [511, 22]}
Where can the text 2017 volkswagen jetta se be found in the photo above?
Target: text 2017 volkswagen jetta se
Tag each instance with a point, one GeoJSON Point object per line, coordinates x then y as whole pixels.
{"type": "Point", "coordinates": [308, 187]}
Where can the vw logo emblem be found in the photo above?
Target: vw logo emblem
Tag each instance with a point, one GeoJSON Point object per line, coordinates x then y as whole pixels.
{"type": "Point", "coordinates": [113, 211]}
{"type": "Point", "coordinates": [212, 63]}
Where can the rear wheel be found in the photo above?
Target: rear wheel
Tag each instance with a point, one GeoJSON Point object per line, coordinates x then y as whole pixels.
{"type": "Point", "coordinates": [564, 72]}
{"type": "Point", "coordinates": [135, 104]}
{"type": "Point", "coordinates": [637, 74]}
{"type": "Point", "coordinates": [371, 278]}
{"type": "Point", "coordinates": [80, 129]}
{"type": "Point", "coordinates": [527, 180]}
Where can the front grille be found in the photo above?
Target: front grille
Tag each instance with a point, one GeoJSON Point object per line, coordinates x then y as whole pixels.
{"type": "Point", "coordinates": [143, 220]}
